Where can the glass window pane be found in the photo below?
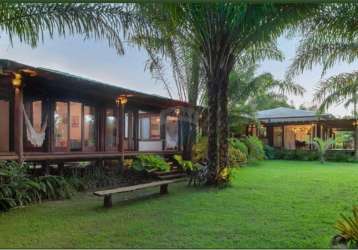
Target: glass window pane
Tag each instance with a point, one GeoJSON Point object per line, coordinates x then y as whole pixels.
{"type": "Point", "coordinates": [155, 127]}
{"type": "Point", "coordinates": [75, 125]}
{"type": "Point", "coordinates": [34, 112]}
{"type": "Point", "coordinates": [61, 125]}
{"type": "Point", "coordinates": [89, 127]}
{"type": "Point", "coordinates": [111, 129]}
{"type": "Point", "coordinates": [4, 125]}
{"type": "Point", "coordinates": [172, 132]}
{"type": "Point", "coordinates": [144, 127]}
{"type": "Point", "coordinates": [277, 137]}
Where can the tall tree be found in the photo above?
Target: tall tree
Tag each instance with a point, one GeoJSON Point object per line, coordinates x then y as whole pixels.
{"type": "Point", "coordinates": [222, 31]}
{"type": "Point", "coordinates": [340, 89]}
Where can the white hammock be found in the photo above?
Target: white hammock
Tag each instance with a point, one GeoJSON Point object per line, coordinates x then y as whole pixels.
{"type": "Point", "coordinates": [35, 138]}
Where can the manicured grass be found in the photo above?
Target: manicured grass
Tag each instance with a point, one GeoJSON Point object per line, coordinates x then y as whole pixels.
{"type": "Point", "coordinates": [273, 204]}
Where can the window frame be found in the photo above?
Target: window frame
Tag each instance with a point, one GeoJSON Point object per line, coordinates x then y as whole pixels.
{"type": "Point", "coordinates": [149, 115]}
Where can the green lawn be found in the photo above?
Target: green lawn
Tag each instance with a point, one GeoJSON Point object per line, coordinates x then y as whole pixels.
{"type": "Point", "coordinates": [273, 204]}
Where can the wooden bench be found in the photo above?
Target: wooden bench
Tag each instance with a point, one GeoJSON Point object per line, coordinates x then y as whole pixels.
{"type": "Point", "coordinates": [107, 194]}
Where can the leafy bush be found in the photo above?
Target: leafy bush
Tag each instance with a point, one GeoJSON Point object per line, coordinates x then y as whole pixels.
{"type": "Point", "coordinates": [270, 152]}
{"type": "Point", "coordinates": [200, 150]}
{"type": "Point", "coordinates": [150, 163]}
{"type": "Point", "coordinates": [236, 157]}
{"type": "Point", "coordinates": [17, 188]}
{"type": "Point", "coordinates": [255, 148]}
{"type": "Point", "coordinates": [339, 156]}
{"type": "Point", "coordinates": [186, 165]}
{"type": "Point", "coordinates": [236, 143]}
{"type": "Point", "coordinates": [348, 228]}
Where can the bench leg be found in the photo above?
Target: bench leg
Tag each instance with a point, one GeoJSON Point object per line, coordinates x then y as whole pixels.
{"type": "Point", "coordinates": [164, 189]}
{"type": "Point", "coordinates": [107, 201]}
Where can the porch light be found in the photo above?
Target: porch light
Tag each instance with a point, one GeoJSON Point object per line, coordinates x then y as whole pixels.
{"type": "Point", "coordinates": [177, 111]}
{"type": "Point", "coordinates": [17, 80]}
{"type": "Point", "coordinates": [355, 123]}
{"type": "Point", "coordinates": [122, 99]}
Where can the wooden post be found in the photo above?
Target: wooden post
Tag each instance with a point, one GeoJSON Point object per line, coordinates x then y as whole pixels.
{"type": "Point", "coordinates": [18, 124]}
{"type": "Point", "coordinates": [135, 130]}
{"type": "Point", "coordinates": [107, 202]}
{"type": "Point", "coordinates": [164, 189]}
{"type": "Point", "coordinates": [121, 124]}
{"type": "Point", "coordinates": [283, 137]}
{"type": "Point", "coordinates": [163, 129]}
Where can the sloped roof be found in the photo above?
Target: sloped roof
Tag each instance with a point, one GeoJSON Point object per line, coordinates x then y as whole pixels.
{"type": "Point", "coordinates": [283, 114]}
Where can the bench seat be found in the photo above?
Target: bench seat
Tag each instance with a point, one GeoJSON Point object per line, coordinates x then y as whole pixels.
{"type": "Point", "coordinates": [107, 194]}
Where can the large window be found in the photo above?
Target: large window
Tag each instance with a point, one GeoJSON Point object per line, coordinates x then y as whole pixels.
{"type": "Point", "coordinates": [277, 137]}
{"type": "Point", "coordinates": [111, 130]}
{"type": "Point", "coordinates": [89, 128]}
{"type": "Point", "coordinates": [61, 125]}
{"type": "Point", "coordinates": [149, 127]}
{"type": "Point", "coordinates": [4, 125]}
{"type": "Point", "coordinates": [75, 126]}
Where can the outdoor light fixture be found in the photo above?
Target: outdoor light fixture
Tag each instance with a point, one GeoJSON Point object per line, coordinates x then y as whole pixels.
{"type": "Point", "coordinates": [122, 99]}
{"type": "Point", "coordinates": [355, 123]}
{"type": "Point", "coordinates": [17, 80]}
{"type": "Point", "coordinates": [177, 111]}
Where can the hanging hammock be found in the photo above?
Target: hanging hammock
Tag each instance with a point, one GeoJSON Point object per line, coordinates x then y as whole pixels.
{"type": "Point", "coordinates": [35, 138]}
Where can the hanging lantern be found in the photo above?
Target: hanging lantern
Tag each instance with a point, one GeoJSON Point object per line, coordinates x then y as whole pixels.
{"type": "Point", "coordinates": [121, 100]}
{"type": "Point", "coordinates": [17, 80]}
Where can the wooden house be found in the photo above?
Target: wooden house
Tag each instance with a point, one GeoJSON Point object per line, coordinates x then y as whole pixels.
{"type": "Point", "coordinates": [51, 116]}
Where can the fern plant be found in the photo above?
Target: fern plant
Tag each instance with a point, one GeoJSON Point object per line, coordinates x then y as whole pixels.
{"type": "Point", "coordinates": [322, 146]}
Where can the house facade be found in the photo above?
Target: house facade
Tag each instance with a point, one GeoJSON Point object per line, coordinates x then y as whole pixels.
{"type": "Point", "coordinates": [47, 115]}
{"type": "Point", "coordinates": [292, 129]}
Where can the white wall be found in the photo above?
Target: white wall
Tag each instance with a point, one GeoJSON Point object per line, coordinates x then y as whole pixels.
{"type": "Point", "coordinates": [150, 145]}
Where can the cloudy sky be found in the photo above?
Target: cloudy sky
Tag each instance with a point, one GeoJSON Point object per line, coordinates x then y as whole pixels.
{"type": "Point", "coordinates": [95, 60]}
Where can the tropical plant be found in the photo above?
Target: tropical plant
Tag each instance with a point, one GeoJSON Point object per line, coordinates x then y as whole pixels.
{"type": "Point", "coordinates": [255, 148]}
{"type": "Point", "coordinates": [186, 165]}
{"type": "Point", "coordinates": [31, 22]}
{"type": "Point", "coordinates": [329, 36]}
{"type": "Point", "coordinates": [348, 228]}
{"type": "Point", "coordinates": [150, 163]}
{"type": "Point", "coordinates": [322, 146]}
{"type": "Point", "coordinates": [222, 32]}
{"type": "Point", "coordinates": [236, 157]}
{"type": "Point", "coordinates": [342, 88]}
{"type": "Point", "coordinates": [18, 188]}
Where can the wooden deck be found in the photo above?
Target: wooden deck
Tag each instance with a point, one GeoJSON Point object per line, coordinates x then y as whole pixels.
{"type": "Point", "coordinates": [80, 156]}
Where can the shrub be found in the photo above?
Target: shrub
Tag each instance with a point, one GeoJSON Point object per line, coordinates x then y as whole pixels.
{"type": "Point", "coordinates": [322, 146]}
{"type": "Point", "coordinates": [236, 143]}
{"type": "Point", "coordinates": [255, 148]}
{"type": "Point", "coordinates": [339, 156]}
{"type": "Point", "coordinates": [186, 165]}
{"type": "Point", "coordinates": [236, 157]}
{"type": "Point", "coordinates": [200, 150]}
{"type": "Point", "coordinates": [150, 163]}
{"type": "Point", "coordinates": [348, 229]}
{"type": "Point", "coordinates": [17, 188]}
{"type": "Point", "coordinates": [270, 152]}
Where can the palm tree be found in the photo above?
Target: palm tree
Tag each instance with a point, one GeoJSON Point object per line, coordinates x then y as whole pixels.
{"type": "Point", "coordinates": [339, 89]}
{"type": "Point", "coordinates": [330, 36]}
{"type": "Point", "coordinates": [31, 22]}
{"type": "Point", "coordinates": [222, 31]}
{"type": "Point", "coordinates": [248, 93]}
{"type": "Point", "coordinates": [322, 146]}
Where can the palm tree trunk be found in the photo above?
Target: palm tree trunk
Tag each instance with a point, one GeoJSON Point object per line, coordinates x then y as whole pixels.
{"type": "Point", "coordinates": [356, 130]}
{"type": "Point", "coordinates": [223, 123]}
{"type": "Point", "coordinates": [212, 87]}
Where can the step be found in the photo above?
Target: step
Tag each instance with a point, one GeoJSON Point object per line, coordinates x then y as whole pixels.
{"type": "Point", "coordinates": [171, 176]}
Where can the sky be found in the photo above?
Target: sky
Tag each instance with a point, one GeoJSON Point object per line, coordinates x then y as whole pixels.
{"type": "Point", "coordinates": [95, 60]}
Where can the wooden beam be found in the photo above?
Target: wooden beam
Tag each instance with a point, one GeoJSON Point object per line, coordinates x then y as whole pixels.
{"type": "Point", "coordinates": [18, 124]}
{"type": "Point", "coordinates": [121, 124]}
